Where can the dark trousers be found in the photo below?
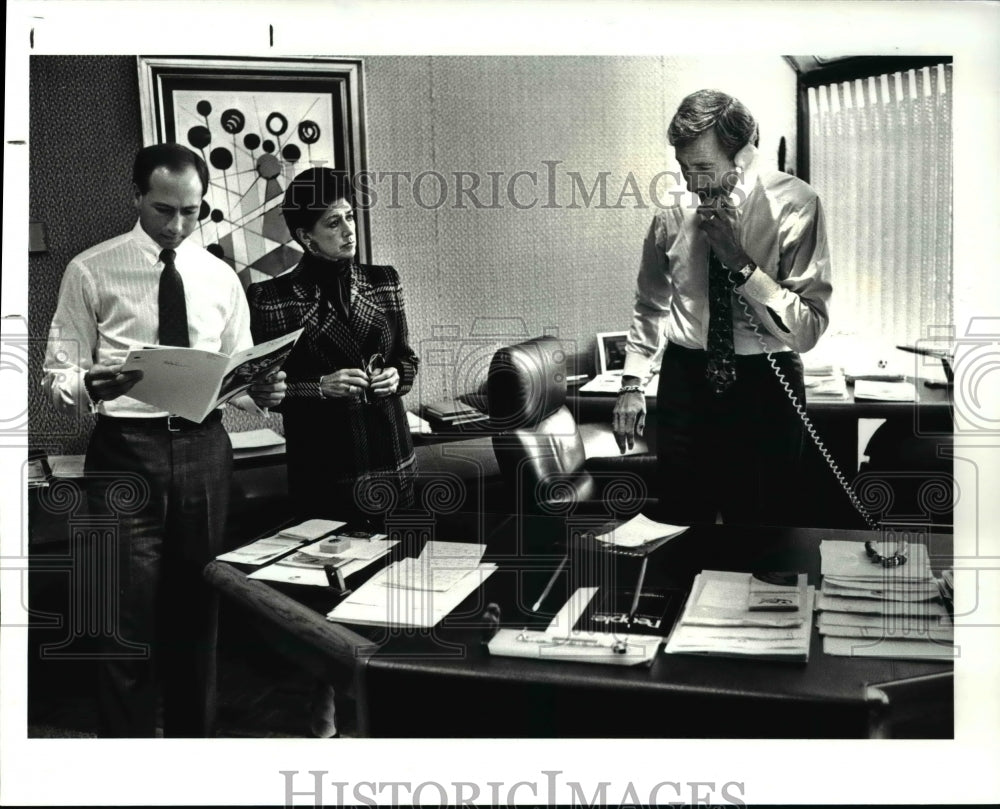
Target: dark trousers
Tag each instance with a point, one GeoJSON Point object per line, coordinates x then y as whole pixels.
{"type": "Point", "coordinates": [164, 496]}
{"type": "Point", "coordinates": [736, 453]}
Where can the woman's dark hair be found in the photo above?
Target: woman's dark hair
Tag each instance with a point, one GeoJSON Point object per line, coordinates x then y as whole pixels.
{"type": "Point", "coordinates": [311, 193]}
{"type": "Point", "coordinates": [704, 109]}
{"type": "Point", "coordinates": [171, 156]}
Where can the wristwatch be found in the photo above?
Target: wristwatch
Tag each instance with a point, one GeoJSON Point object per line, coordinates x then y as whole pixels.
{"type": "Point", "coordinates": [739, 277]}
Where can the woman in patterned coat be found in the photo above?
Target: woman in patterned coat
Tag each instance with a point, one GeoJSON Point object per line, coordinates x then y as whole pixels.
{"type": "Point", "coordinates": [348, 446]}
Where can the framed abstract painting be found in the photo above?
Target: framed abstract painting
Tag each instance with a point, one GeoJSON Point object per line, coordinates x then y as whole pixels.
{"type": "Point", "coordinates": [257, 123]}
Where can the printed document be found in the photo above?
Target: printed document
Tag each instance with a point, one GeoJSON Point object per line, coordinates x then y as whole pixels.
{"type": "Point", "coordinates": [191, 383]}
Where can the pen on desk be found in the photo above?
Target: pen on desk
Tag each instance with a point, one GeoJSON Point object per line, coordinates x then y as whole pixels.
{"type": "Point", "coordinates": [638, 589]}
{"type": "Point", "coordinates": [548, 587]}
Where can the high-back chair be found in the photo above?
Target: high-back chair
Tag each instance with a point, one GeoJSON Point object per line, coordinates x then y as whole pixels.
{"type": "Point", "coordinates": [539, 449]}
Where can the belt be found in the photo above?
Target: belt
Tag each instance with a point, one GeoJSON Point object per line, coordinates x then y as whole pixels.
{"type": "Point", "coordinates": [167, 424]}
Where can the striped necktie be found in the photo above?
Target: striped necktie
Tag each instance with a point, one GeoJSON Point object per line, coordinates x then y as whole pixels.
{"type": "Point", "coordinates": [173, 310]}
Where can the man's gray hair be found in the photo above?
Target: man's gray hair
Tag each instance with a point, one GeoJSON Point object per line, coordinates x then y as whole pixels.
{"type": "Point", "coordinates": [704, 109]}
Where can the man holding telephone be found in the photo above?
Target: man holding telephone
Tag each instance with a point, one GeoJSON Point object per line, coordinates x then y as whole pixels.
{"type": "Point", "coordinates": [736, 280]}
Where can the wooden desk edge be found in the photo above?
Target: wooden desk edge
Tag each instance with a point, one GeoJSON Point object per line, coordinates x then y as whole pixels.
{"type": "Point", "coordinates": [339, 646]}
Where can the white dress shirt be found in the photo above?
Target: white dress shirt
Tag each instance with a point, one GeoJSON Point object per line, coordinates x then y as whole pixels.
{"type": "Point", "coordinates": [108, 304]}
{"type": "Point", "coordinates": [780, 226]}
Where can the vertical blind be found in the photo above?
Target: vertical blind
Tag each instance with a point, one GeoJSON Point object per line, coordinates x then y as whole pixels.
{"type": "Point", "coordinates": [880, 154]}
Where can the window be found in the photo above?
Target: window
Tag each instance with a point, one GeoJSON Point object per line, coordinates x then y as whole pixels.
{"type": "Point", "coordinates": [880, 157]}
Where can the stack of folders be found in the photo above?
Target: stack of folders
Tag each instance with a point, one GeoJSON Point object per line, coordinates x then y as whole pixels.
{"type": "Point", "coordinates": [740, 615]}
{"type": "Point", "coordinates": [417, 592]}
{"type": "Point", "coordinates": [452, 413]}
{"type": "Point", "coordinates": [825, 383]}
{"type": "Point", "coordinates": [867, 610]}
{"type": "Point", "coordinates": [885, 390]}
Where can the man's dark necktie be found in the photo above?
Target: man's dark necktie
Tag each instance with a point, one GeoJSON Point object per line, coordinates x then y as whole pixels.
{"type": "Point", "coordinates": [721, 368]}
{"type": "Point", "coordinates": [173, 310]}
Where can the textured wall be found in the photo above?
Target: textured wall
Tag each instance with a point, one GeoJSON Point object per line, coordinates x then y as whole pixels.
{"type": "Point", "coordinates": [478, 277]}
{"type": "Point", "coordinates": [473, 278]}
{"type": "Point", "coordinates": [84, 131]}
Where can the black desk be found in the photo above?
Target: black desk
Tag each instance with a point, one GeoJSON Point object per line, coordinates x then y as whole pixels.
{"type": "Point", "coordinates": [925, 424]}
{"type": "Point", "coordinates": [444, 683]}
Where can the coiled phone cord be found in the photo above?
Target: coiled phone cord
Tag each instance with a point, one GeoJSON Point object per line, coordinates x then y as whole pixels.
{"type": "Point", "coordinates": [813, 434]}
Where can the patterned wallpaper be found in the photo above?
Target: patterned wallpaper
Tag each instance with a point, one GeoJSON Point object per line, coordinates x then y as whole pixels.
{"type": "Point", "coordinates": [474, 277]}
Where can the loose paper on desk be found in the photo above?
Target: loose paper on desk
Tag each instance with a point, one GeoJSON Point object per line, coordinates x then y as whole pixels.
{"type": "Point", "coordinates": [640, 532]}
{"type": "Point", "coordinates": [264, 550]}
{"type": "Point", "coordinates": [378, 603]}
{"type": "Point", "coordinates": [306, 566]}
{"type": "Point", "coordinates": [885, 391]}
{"type": "Point", "coordinates": [313, 529]}
{"type": "Point", "coordinates": [440, 566]}
{"type": "Point", "coordinates": [190, 382]}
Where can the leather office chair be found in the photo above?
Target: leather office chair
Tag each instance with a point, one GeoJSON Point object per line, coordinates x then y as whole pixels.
{"type": "Point", "coordinates": [539, 449]}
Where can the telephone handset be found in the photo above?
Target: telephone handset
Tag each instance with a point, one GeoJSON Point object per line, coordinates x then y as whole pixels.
{"type": "Point", "coordinates": [806, 421]}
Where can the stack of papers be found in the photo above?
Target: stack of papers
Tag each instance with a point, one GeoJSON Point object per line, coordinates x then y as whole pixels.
{"type": "Point", "coordinates": [639, 536]}
{"type": "Point", "coordinates": [452, 412]}
{"type": "Point", "coordinates": [38, 477]}
{"type": "Point", "coordinates": [67, 466]}
{"type": "Point", "coordinates": [253, 443]}
{"type": "Point", "coordinates": [269, 548]}
{"type": "Point", "coordinates": [419, 592]}
{"type": "Point", "coordinates": [825, 382]}
{"type": "Point", "coordinates": [611, 382]}
{"type": "Point", "coordinates": [717, 620]}
{"type": "Point", "coordinates": [560, 641]}
{"type": "Point", "coordinates": [885, 391]}
{"type": "Point", "coordinates": [867, 610]}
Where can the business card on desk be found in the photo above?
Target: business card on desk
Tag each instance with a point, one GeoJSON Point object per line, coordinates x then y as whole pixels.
{"type": "Point", "coordinates": [776, 592]}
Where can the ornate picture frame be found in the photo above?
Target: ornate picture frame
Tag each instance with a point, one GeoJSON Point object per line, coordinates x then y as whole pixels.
{"type": "Point", "coordinates": [257, 123]}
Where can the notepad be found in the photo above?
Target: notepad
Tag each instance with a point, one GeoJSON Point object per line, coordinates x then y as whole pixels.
{"type": "Point", "coordinates": [640, 534]}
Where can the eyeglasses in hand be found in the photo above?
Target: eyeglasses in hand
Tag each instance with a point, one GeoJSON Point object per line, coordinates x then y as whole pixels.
{"type": "Point", "coordinates": [374, 366]}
